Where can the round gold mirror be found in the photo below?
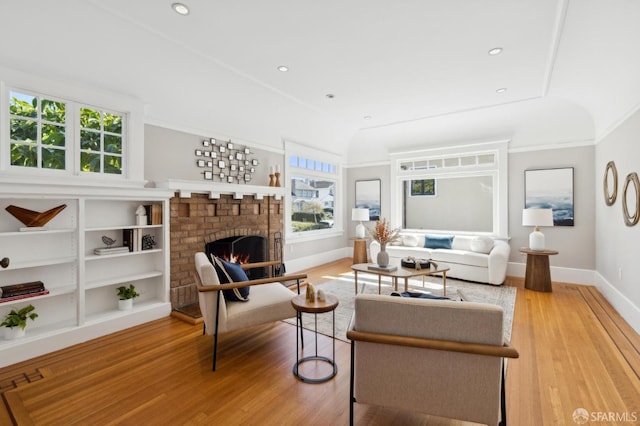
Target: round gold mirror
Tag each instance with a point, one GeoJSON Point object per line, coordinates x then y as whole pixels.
{"type": "Point", "coordinates": [630, 219]}
{"type": "Point", "coordinates": [610, 183]}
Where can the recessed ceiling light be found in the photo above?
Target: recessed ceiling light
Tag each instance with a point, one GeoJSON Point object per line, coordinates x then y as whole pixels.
{"type": "Point", "coordinates": [495, 51]}
{"type": "Point", "coordinates": [367, 117]}
{"type": "Point", "coordinates": [283, 68]}
{"type": "Point", "coordinates": [180, 8]}
{"type": "Point", "coordinates": [330, 95]}
{"type": "Point", "coordinates": [501, 90]}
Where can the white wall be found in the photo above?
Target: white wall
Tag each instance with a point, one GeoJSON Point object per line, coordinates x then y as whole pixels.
{"type": "Point", "coordinates": [617, 245]}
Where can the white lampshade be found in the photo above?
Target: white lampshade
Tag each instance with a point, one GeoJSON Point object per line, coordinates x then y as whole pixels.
{"type": "Point", "coordinates": [537, 218]}
{"type": "Point", "coordinates": [359, 215]}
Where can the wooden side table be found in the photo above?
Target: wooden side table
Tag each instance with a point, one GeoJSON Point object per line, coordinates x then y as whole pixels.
{"type": "Point", "coordinates": [537, 276]}
{"type": "Point", "coordinates": [301, 305]}
{"type": "Point", "coordinates": [359, 250]}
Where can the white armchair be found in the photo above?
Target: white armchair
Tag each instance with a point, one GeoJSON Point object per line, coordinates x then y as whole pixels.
{"type": "Point", "coordinates": [437, 357]}
{"type": "Point", "coordinates": [269, 300]}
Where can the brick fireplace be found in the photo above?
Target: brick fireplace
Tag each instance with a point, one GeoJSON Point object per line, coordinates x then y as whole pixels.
{"type": "Point", "coordinates": [197, 220]}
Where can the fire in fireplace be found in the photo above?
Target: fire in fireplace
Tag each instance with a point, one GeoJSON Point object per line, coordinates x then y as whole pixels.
{"type": "Point", "coordinates": [242, 249]}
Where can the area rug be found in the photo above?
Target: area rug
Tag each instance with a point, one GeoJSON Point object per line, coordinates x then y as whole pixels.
{"type": "Point", "coordinates": [343, 289]}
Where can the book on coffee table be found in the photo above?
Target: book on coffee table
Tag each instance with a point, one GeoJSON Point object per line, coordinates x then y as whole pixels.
{"type": "Point", "coordinates": [383, 268]}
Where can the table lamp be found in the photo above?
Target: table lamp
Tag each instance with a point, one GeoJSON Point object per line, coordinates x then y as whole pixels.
{"type": "Point", "coordinates": [537, 218]}
{"type": "Point", "coordinates": [359, 215]}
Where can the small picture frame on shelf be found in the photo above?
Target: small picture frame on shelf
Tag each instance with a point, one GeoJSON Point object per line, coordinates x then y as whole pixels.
{"type": "Point", "coordinates": [254, 162]}
{"type": "Point", "coordinates": [222, 164]}
{"type": "Point", "coordinates": [247, 151]}
{"type": "Point", "coordinates": [247, 177]}
{"type": "Point", "coordinates": [209, 163]}
{"type": "Point", "coordinates": [198, 153]}
{"type": "Point", "coordinates": [222, 149]}
{"type": "Point", "coordinates": [222, 175]}
{"type": "Point", "coordinates": [214, 154]}
{"type": "Point", "coordinates": [208, 175]}
{"type": "Point", "coordinates": [241, 168]}
{"type": "Point", "coordinates": [239, 156]}
{"type": "Point", "coordinates": [230, 179]}
{"type": "Point", "coordinates": [200, 163]}
{"type": "Point", "coordinates": [205, 143]}
{"type": "Point", "coordinates": [233, 167]}
{"type": "Point", "coordinates": [230, 145]}
{"type": "Point", "coordinates": [207, 153]}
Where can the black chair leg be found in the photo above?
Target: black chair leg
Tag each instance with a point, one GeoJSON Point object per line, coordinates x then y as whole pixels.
{"type": "Point", "coordinates": [351, 379]}
{"type": "Point", "coordinates": [503, 398]}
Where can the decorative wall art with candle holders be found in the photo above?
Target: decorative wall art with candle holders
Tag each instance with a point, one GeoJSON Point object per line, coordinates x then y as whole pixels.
{"type": "Point", "coordinates": [226, 161]}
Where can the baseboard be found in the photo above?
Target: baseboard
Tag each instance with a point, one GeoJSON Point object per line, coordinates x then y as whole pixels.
{"type": "Point", "coordinates": [302, 263]}
{"type": "Point", "coordinates": [36, 344]}
{"type": "Point", "coordinates": [621, 303]}
{"type": "Point", "coordinates": [559, 274]}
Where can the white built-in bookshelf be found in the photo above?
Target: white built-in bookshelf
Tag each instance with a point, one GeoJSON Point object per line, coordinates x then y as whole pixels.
{"type": "Point", "coordinates": [82, 302]}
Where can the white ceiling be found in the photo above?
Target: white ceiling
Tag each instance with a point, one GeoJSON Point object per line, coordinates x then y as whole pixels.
{"type": "Point", "coordinates": [419, 68]}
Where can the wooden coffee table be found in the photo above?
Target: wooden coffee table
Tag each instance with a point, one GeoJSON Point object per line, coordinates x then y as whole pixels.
{"type": "Point", "coordinates": [401, 272]}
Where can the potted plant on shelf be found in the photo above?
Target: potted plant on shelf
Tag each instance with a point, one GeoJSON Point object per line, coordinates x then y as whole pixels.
{"type": "Point", "coordinates": [126, 296]}
{"type": "Point", "coordinates": [384, 235]}
{"type": "Point", "coordinates": [16, 321]}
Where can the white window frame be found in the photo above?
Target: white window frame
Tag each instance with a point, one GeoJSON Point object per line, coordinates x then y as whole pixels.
{"type": "Point", "coordinates": [296, 149]}
{"type": "Point", "coordinates": [497, 170]}
{"type": "Point", "coordinates": [102, 152]}
{"type": "Point", "coordinates": [75, 96]}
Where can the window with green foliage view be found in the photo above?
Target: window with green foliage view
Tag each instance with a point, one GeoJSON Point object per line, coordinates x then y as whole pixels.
{"type": "Point", "coordinates": [100, 141]}
{"type": "Point", "coordinates": [37, 129]}
{"type": "Point", "coordinates": [64, 135]}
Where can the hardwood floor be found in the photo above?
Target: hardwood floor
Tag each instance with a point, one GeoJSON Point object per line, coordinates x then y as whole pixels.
{"type": "Point", "coordinates": [575, 352]}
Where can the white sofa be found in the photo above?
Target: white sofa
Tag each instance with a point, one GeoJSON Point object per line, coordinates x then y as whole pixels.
{"type": "Point", "coordinates": [473, 258]}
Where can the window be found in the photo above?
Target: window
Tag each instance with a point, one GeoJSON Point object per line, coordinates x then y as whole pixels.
{"type": "Point", "coordinates": [55, 134]}
{"type": "Point", "coordinates": [453, 190]}
{"type": "Point", "coordinates": [422, 187]}
{"type": "Point", "coordinates": [314, 188]}
{"type": "Point", "coordinates": [37, 129]}
{"type": "Point", "coordinates": [100, 141]}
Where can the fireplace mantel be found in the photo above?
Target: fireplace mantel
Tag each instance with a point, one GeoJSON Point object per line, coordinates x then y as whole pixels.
{"type": "Point", "coordinates": [214, 189]}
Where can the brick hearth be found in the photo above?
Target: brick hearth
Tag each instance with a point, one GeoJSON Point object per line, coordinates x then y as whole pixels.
{"type": "Point", "coordinates": [198, 219]}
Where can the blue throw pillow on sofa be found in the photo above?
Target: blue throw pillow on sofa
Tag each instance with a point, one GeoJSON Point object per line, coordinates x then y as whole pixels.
{"type": "Point", "coordinates": [438, 241]}
{"type": "Point", "coordinates": [229, 272]}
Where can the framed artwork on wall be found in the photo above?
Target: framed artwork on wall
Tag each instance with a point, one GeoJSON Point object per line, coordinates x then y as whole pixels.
{"type": "Point", "coordinates": [368, 197]}
{"type": "Point", "coordinates": [551, 188]}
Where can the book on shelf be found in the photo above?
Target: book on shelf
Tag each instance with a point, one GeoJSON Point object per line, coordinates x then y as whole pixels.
{"type": "Point", "coordinates": [138, 243]}
{"type": "Point", "coordinates": [154, 214]}
{"type": "Point", "coordinates": [127, 238]}
{"type": "Point", "coordinates": [21, 289]}
{"type": "Point", "coordinates": [111, 250]}
{"type": "Point", "coordinates": [133, 239]}
{"type": "Point", "coordinates": [23, 296]}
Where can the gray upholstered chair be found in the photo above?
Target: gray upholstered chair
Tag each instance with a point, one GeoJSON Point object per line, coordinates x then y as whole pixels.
{"type": "Point", "coordinates": [269, 300]}
{"type": "Point", "coordinates": [437, 357]}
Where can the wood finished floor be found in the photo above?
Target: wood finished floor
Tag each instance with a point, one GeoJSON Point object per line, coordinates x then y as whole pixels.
{"type": "Point", "coordinates": [575, 351]}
